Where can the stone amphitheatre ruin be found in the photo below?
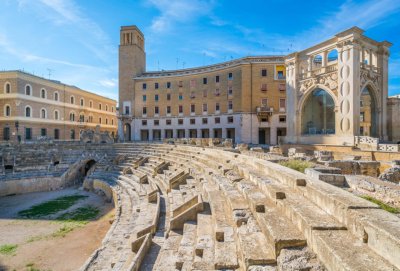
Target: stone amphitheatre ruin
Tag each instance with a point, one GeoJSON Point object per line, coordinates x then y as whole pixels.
{"type": "Point", "coordinates": [202, 205]}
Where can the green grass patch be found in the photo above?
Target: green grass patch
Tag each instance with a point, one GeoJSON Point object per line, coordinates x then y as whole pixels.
{"type": "Point", "coordinates": [8, 249]}
{"type": "Point", "coordinates": [75, 219]}
{"type": "Point", "coordinates": [51, 207]}
{"type": "Point", "coordinates": [384, 206]}
{"type": "Point", "coordinates": [80, 215]}
{"type": "Point", "coordinates": [298, 165]}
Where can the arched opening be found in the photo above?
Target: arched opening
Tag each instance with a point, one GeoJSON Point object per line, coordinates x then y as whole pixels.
{"type": "Point", "coordinates": [318, 114]}
{"type": "Point", "coordinates": [332, 55]}
{"type": "Point", "coordinates": [89, 164]}
{"type": "Point", "coordinates": [127, 132]}
{"type": "Point", "coordinates": [368, 115]}
{"type": "Point", "coordinates": [317, 62]}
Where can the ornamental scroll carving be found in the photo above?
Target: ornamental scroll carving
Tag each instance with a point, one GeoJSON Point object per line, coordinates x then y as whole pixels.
{"type": "Point", "coordinates": [368, 75]}
{"type": "Point", "coordinates": [328, 80]}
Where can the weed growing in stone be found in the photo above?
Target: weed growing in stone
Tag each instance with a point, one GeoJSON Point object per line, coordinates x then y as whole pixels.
{"type": "Point", "coordinates": [298, 165]}
{"type": "Point", "coordinates": [8, 249]}
{"type": "Point", "coordinates": [51, 207]}
{"type": "Point", "coordinates": [384, 206]}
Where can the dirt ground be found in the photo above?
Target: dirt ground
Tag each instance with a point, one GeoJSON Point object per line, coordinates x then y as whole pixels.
{"type": "Point", "coordinates": [37, 248]}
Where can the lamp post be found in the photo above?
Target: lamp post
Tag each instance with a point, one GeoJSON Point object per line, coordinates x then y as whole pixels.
{"type": "Point", "coordinates": [16, 127]}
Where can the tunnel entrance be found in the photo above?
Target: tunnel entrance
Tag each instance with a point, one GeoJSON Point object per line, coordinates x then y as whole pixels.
{"type": "Point", "coordinates": [89, 164]}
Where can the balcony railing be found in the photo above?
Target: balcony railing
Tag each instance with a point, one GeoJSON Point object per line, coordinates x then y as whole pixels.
{"type": "Point", "coordinates": [264, 111]}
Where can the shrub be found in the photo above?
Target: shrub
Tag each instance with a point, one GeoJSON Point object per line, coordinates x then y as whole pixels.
{"type": "Point", "coordinates": [298, 165]}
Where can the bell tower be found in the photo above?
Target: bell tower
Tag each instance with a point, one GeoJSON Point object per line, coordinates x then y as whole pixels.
{"type": "Point", "coordinates": [132, 62]}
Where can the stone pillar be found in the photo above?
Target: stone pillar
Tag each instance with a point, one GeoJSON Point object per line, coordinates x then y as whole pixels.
{"type": "Point", "coordinates": [383, 67]}
{"type": "Point", "coordinates": [370, 62]}
{"type": "Point", "coordinates": [187, 135]}
{"type": "Point", "coordinates": [348, 115]}
{"type": "Point", "coordinates": [223, 132]}
{"type": "Point", "coordinates": [150, 135]}
{"type": "Point", "coordinates": [291, 100]}
{"type": "Point", "coordinates": [198, 133]}
{"type": "Point", "coordinates": [162, 136]}
{"type": "Point", "coordinates": [324, 59]}
{"type": "Point", "coordinates": [174, 133]}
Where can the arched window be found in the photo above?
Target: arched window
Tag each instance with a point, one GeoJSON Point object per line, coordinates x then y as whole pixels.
{"type": "Point", "coordinates": [82, 102]}
{"type": "Point", "coordinates": [55, 96]}
{"type": "Point", "coordinates": [318, 114]}
{"type": "Point", "coordinates": [368, 114]}
{"type": "Point", "coordinates": [317, 62]}
{"type": "Point", "coordinates": [81, 118]}
{"type": "Point", "coordinates": [28, 90]}
{"type": "Point", "coordinates": [106, 107]}
{"type": "Point", "coordinates": [332, 55]}
{"type": "Point", "coordinates": [112, 121]}
{"type": "Point", "coordinates": [43, 113]}
{"type": "Point", "coordinates": [99, 106]}
{"type": "Point", "coordinates": [28, 111]}
{"type": "Point", "coordinates": [72, 116]}
{"type": "Point", "coordinates": [72, 99]}
{"type": "Point", "coordinates": [106, 121]}
{"type": "Point", "coordinates": [90, 104]}
{"type": "Point", "coordinates": [7, 110]}
{"type": "Point", "coordinates": [100, 120]}
{"type": "Point", "coordinates": [43, 93]}
{"type": "Point", "coordinates": [56, 115]}
{"type": "Point", "coordinates": [112, 109]}
{"type": "Point", "coordinates": [7, 88]}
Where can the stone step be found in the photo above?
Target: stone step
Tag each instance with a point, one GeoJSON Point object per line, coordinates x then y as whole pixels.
{"type": "Point", "coordinates": [204, 247]}
{"type": "Point", "coordinates": [339, 250]}
{"type": "Point", "coordinates": [186, 247]}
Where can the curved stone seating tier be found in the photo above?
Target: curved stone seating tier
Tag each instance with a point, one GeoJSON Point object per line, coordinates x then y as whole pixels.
{"type": "Point", "coordinates": [181, 207]}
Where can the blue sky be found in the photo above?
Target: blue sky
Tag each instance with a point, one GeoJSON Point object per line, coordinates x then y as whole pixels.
{"type": "Point", "coordinates": [78, 40]}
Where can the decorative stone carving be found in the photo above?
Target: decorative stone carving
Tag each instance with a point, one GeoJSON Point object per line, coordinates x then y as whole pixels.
{"type": "Point", "coordinates": [90, 136]}
{"type": "Point", "coordinates": [368, 75]}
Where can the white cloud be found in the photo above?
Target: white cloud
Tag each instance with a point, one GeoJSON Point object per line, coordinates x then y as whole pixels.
{"type": "Point", "coordinates": [109, 83]}
{"type": "Point", "coordinates": [178, 11]}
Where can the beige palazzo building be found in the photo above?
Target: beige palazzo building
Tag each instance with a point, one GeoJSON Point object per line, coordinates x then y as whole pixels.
{"type": "Point", "coordinates": [35, 108]}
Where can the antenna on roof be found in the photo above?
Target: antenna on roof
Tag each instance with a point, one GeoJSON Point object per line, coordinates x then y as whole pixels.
{"type": "Point", "coordinates": [49, 70]}
{"type": "Point", "coordinates": [177, 63]}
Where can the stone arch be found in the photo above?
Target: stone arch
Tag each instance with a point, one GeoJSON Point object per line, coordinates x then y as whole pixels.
{"type": "Point", "coordinates": [370, 110]}
{"type": "Point", "coordinates": [127, 132]}
{"type": "Point", "coordinates": [332, 55]}
{"type": "Point", "coordinates": [318, 112]}
{"type": "Point", "coordinates": [310, 90]}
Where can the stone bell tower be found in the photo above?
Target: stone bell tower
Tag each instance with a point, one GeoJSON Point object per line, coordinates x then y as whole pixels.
{"type": "Point", "coordinates": [132, 62]}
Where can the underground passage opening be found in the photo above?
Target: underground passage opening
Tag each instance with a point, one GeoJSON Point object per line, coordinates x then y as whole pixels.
{"type": "Point", "coordinates": [8, 168]}
{"type": "Point", "coordinates": [89, 164]}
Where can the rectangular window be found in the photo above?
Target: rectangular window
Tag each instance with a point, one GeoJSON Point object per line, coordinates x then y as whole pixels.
{"type": "Point", "coordinates": [217, 79]}
{"type": "Point", "coordinates": [180, 97]}
{"type": "Point", "coordinates": [217, 92]}
{"type": "Point", "coordinates": [72, 134]}
{"type": "Point", "coordinates": [168, 122]}
{"type": "Point", "coordinates": [144, 122]}
{"type": "Point", "coordinates": [204, 81]}
{"type": "Point", "coordinates": [180, 109]}
{"type": "Point", "coordinates": [204, 120]}
{"type": "Point", "coordinates": [192, 83]}
{"type": "Point", "coordinates": [282, 104]}
{"type": "Point", "coordinates": [168, 97]}
{"type": "Point", "coordinates": [362, 116]}
{"type": "Point", "coordinates": [230, 90]}
{"type": "Point", "coordinates": [43, 132]}
{"type": "Point", "coordinates": [6, 133]}
{"type": "Point", "coordinates": [205, 108]}
{"type": "Point", "coordinates": [156, 110]}
{"type": "Point", "coordinates": [230, 119]}
{"type": "Point", "coordinates": [144, 86]}
{"type": "Point", "coordinates": [217, 107]}
{"type": "Point", "coordinates": [280, 75]}
{"type": "Point", "coordinates": [56, 134]}
{"type": "Point", "coordinates": [192, 108]}
{"type": "Point", "coordinates": [205, 93]}
{"type": "Point", "coordinates": [192, 95]}
{"type": "Point", "coordinates": [263, 72]}
{"type": "Point", "coordinates": [156, 85]}
{"type": "Point", "coordinates": [144, 98]}
{"type": "Point", "coordinates": [144, 110]}
{"type": "Point", "coordinates": [192, 121]}
{"type": "Point", "coordinates": [168, 109]}
{"type": "Point", "coordinates": [156, 122]}
{"type": "Point", "coordinates": [156, 97]}
{"type": "Point", "coordinates": [264, 87]}
{"type": "Point", "coordinates": [230, 76]}
{"type": "Point", "coordinates": [264, 102]}
{"type": "Point", "coordinates": [230, 105]}
{"type": "Point", "coordinates": [217, 120]}
{"type": "Point", "coordinates": [282, 118]}
{"type": "Point", "coordinates": [180, 84]}
{"type": "Point", "coordinates": [126, 110]}
{"type": "Point", "coordinates": [168, 84]}
{"type": "Point", "coordinates": [180, 121]}
{"type": "Point", "coordinates": [28, 133]}
{"type": "Point", "coordinates": [282, 87]}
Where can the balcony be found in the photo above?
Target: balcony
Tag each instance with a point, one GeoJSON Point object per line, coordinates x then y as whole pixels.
{"type": "Point", "coordinates": [264, 111]}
